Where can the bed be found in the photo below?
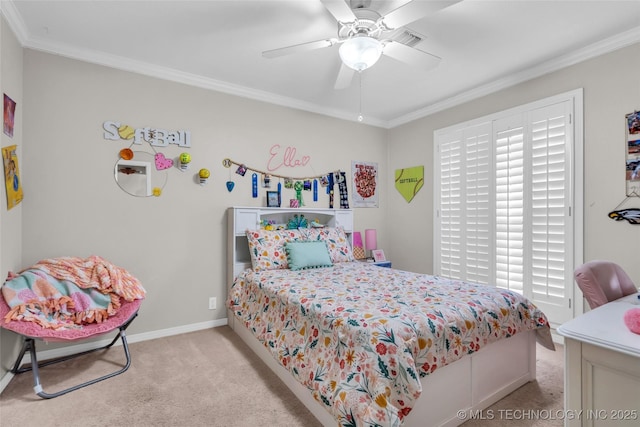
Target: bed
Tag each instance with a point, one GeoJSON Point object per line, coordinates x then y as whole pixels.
{"type": "Point", "coordinates": [364, 345]}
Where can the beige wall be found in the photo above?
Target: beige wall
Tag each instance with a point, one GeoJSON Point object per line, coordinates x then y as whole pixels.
{"type": "Point", "coordinates": [611, 90]}
{"type": "Point", "coordinates": [10, 220]}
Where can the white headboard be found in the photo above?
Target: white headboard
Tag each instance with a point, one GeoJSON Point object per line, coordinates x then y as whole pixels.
{"type": "Point", "coordinates": [240, 219]}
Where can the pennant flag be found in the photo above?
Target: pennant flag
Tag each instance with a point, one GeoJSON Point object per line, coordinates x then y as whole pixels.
{"type": "Point", "coordinates": [409, 181]}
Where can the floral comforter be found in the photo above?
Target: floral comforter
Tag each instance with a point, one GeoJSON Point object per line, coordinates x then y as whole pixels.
{"type": "Point", "coordinates": [360, 336]}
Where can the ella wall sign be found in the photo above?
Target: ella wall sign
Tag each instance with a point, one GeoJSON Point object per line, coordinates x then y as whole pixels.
{"type": "Point", "coordinates": [157, 137]}
{"type": "Point", "coordinates": [286, 158]}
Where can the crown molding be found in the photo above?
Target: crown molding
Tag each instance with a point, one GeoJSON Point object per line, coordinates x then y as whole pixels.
{"type": "Point", "coordinates": [165, 73]}
{"type": "Point", "coordinates": [599, 48]}
{"type": "Point", "coordinates": [15, 21]}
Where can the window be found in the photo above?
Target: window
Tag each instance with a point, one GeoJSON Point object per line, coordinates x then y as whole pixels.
{"type": "Point", "coordinates": [505, 193]}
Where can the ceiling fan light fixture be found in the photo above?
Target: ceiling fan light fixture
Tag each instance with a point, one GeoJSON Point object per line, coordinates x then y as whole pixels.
{"type": "Point", "coordinates": [360, 52]}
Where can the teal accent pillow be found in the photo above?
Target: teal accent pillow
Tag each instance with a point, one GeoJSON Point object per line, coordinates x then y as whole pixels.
{"type": "Point", "coordinates": [305, 254]}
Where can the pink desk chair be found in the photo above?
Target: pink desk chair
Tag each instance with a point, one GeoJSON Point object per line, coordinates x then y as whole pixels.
{"type": "Point", "coordinates": [602, 282]}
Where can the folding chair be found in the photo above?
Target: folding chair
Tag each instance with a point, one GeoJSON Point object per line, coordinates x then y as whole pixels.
{"type": "Point", "coordinates": [31, 331]}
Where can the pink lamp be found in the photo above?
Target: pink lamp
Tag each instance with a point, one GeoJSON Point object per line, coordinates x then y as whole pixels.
{"type": "Point", "coordinates": [370, 239]}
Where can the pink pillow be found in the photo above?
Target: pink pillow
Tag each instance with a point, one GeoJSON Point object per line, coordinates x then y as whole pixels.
{"type": "Point", "coordinates": [337, 241]}
{"type": "Point", "coordinates": [267, 248]}
{"type": "Point", "coordinates": [632, 320]}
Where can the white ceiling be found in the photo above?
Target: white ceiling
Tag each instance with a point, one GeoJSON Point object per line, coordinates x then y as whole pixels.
{"type": "Point", "coordinates": [485, 45]}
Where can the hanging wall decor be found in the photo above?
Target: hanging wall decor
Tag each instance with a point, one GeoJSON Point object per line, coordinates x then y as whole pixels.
{"type": "Point", "coordinates": [365, 179]}
{"type": "Point", "coordinates": [230, 184]}
{"type": "Point", "coordinates": [254, 185]}
{"type": "Point", "coordinates": [633, 154]}
{"type": "Point", "coordinates": [116, 131]}
{"type": "Point", "coordinates": [297, 184]}
{"type": "Point", "coordinates": [203, 176]}
{"type": "Point", "coordinates": [409, 181]}
{"type": "Point", "coordinates": [285, 158]}
{"type": "Point", "coordinates": [330, 189]}
{"type": "Point", "coordinates": [9, 115]}
{"type": "Point", "coordinates": [632, 173]}
{"type": "Point", "coordinates": [142, 173]}
{"type": "Point", "coordinates": [137, 173]}
{"type": "Point", "coordinates": [315, 190]}
{"type": "Point", "coordinates": [185, 159]}
{"type": "Point", "coordinates": [12, 176]}
{"type": "Point", "coordinates": [341, 178]}
{"type": "Point", "coordinates": [126, 154]}
{"type": "Point", "coordinates": [631, 215]}
{"type": "Point", "coordinates": [162, 162]}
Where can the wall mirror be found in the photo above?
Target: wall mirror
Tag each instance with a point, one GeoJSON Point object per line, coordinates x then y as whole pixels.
{"type": "Point", "coordinates": [138, 176]}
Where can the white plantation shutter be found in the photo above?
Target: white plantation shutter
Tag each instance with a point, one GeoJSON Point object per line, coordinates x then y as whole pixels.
{"type": "Point", "coordinates": [551, 269]}
{"type": "Point", "coordinates": [464, 232]}
{"type": "Point", "coordinates": [477, 223]}
{"type": "Point", "coordinates": [450, 205]}
{"type": "Point", "coordinates": [510, 204]}
{"type": "Point", "coordinates": [503, 205]}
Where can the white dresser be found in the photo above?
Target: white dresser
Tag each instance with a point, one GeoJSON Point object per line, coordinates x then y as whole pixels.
{"type": "Point", "coordinates": [602, 367]}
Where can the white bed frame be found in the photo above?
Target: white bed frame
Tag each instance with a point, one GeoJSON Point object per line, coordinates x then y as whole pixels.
{"type": "Point", "coordinates": [472, 383]}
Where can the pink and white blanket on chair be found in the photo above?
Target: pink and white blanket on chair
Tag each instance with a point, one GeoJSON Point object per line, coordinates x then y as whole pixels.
{"type": "Point", "coordinates": [68, 292]}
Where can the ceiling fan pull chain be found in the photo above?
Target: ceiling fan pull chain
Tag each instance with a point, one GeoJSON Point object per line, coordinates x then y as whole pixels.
{"type": "Point", "coordinates": [360, 117]}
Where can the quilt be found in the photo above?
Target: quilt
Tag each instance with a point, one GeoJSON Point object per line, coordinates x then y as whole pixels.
{"type": "Point", "coordinates": [361, 336]}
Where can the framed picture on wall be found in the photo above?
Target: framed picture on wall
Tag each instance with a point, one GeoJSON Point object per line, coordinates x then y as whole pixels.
{"type": "Point", "coordinates": [378, 255]}
{"type": "Point", "coordinates": [273, 199]}
{"type": "Point", "coordinates": [633, 153]}
{"type": "Point", "coordinates": [9, 114]}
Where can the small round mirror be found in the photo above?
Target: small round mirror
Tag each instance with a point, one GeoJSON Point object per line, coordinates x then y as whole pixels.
{"type": "Point", "coordinates": [138, 175]}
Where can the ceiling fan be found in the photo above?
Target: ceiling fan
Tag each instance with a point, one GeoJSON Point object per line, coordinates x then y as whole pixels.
{"type": "Point", "coordinates": [364, 35]}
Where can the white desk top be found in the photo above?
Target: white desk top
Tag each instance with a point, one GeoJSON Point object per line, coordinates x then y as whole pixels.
{"type": "Point", "coordinates": [604, 327]}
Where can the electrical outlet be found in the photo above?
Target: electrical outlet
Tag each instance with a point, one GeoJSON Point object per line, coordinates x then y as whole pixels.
{"type": "Point", "coordinates": [212, 303]}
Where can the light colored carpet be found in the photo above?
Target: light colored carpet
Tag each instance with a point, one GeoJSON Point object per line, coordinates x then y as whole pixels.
{"type": "Point", "coordinates": [205, 378]}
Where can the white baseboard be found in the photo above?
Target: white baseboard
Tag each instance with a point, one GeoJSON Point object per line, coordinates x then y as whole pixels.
{"type": "Point", "coordinates": [4, 381]}
{"type": "Point", "coordinates": [144, 336]}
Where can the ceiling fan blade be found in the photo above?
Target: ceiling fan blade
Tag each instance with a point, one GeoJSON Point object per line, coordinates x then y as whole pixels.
{"type": "Point", "coordinates": [345, 76]}
{"type": "Point", "coordinates": [412, 11]}
{"type": "Point", "coordinates": [302, 47]}
{"type": "Point", "coordinates": [411, 56]}
{"type": "Point", "coordinates": [340, 10]}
